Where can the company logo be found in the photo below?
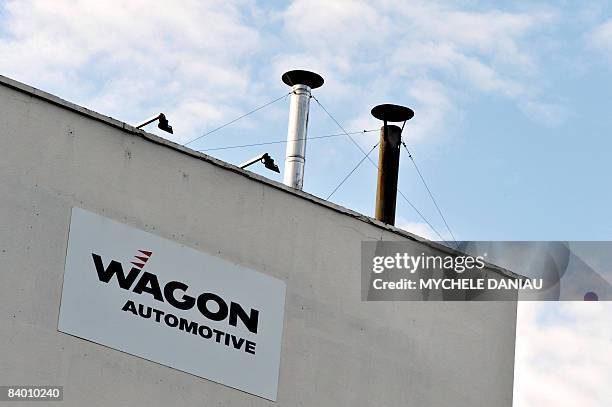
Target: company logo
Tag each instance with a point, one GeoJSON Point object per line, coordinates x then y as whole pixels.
{"type": "Point", "coordinates": [176, 293]}
{"type": "Point", "coordinates": [142, 259]}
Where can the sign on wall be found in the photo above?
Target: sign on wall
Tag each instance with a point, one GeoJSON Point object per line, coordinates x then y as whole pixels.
{"type": "Point", "coordinates": [153, 298]}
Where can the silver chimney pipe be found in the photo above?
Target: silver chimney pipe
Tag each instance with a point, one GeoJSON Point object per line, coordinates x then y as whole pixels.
{"type": "Point", "coordinates": [301, 83]}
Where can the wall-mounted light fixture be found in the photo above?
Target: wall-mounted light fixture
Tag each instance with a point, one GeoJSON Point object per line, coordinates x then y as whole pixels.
{"type": "Point", "coordinates": [163, 123]}
{"type": "Point", "coordinates": [264, 158]}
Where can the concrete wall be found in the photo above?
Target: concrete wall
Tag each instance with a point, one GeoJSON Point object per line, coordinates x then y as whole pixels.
{"type": "Point", "coordinates": [337, 350]}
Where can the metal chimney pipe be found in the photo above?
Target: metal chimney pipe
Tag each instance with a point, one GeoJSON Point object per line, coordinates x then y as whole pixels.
{"type": "Point", "coordinates": [295, 156]}
{"type": "Point", "coordinates": [388, 160]}
{"type": "Point", "coordinates": [388, 172]}
{"type": "Point", "coordinates": [301, 83]}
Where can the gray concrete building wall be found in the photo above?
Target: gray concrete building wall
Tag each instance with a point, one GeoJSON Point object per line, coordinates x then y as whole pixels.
{"type": "Point", "coordinates": [336, 350]}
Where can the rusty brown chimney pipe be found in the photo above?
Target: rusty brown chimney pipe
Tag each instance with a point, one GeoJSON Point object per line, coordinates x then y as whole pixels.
{"type": "Point", "coordinates": [388, 159]}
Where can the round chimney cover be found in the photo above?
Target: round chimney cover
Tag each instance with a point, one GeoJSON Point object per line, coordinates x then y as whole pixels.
{"type": "Point", "coordinates": [299, 77]}
{"type": "Point", "coordinates": [392, 113]}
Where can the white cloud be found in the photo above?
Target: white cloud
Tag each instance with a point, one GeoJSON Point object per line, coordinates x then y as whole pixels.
{"type": "Point", "coordinates": [600, 38]}
{"type": "Point", "coordinates": [203, 62]}
{"type": "Point", "coordinates": [563, 354]}
{"type": "Point", "coordinates": [131, 59]}
{"type": "Point", "coordinates": [420, 229]}
{"type": "Point", "coordinates": [435, 106]}
{"type": "Point", "coordinates": [379, 51]}
{"type": "Point", "coordinates": [549, 113]}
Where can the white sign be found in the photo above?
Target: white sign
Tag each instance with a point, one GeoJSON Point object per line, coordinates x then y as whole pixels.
{"type": "Point", "coordinates": [154, 298]}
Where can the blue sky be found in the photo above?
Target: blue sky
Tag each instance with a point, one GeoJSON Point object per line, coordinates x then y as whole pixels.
{"type": "Point", "coordinates": [511, 128]}
{"type": "Point", "coordinates": [510, 100]}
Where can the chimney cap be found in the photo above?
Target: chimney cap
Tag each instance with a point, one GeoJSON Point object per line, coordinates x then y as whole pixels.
{"type": "Point", "coordinates": [392, 113]}
{"type": "Point", "coordinates": [300, 77]}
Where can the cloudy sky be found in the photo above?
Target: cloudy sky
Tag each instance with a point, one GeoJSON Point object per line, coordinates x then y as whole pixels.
{"type": "Point", "coordinates": [512, 124]}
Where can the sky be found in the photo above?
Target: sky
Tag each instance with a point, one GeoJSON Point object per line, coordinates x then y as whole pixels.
{"type": "Point", "coordinates": [511, 127]}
